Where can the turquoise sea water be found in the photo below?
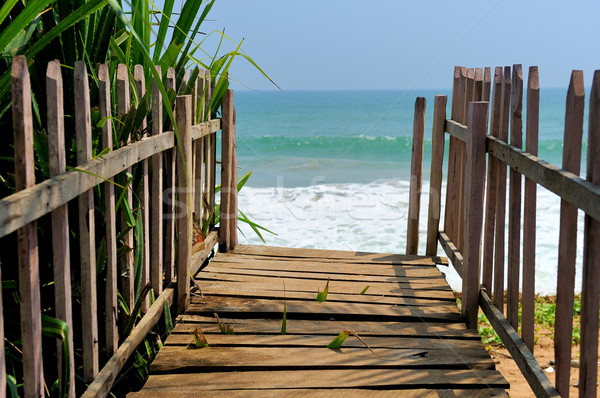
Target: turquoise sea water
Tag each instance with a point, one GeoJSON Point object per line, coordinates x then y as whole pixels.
{"type": "Point", "coordinates": [332, 169]}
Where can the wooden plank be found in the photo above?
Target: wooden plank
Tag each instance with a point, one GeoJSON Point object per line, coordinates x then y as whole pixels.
{"type": "Point", "coordinates": [487, 84]}
{"type": "Point", "coordinates": [187, 323]}
{"type": "Point", "coordinates": [185, 200]}
{"type": "Point", "coordinates": [61, 259]}
{"type": "Point", "coordinates": [492, 184]}
{"type": "Point", "coordinates": [529, 212]}
{"type": "Point", "coordinates": [456, 257]}
{"type": "Point", "coordinates": [199, 148]}
{"type": "Point", "coordinates": [87, 242]}
{"type": "Point", "coordinates": [27, 246]}
{"type": "Point", "coordinates": [332, 393]}
{"type": "Point", "coordinates": [288, 340]}
{"type": "Point", "coordinates": [140, 87]}
{"type": "Point", "coordinates": [502, 134]}
{"type": "Point", "coordinates": [462, 158]}
{"type": "Point", "coordinates": [374, 378]}
{"type": "Point", "coordinates": [126, 270]}
{"type": "Point", "coordinates": [302, 309]}
{"type": "Point", "coordinates": [156, 232]}
{"type": "Point", "coordinates": [198, 259]}
{"type": "Point", "coordinates": [567, 251]}
{"type": "Point", "coordinates": [32, 203]}
{"type": "Point", "coordinates": [169, 190]}
{"type": "Point", "coordinates": [588, 371]}
{"type": "Point", "coordinates": [449, 216]}
{"type": "Point", "coordinates": [102, 384]}
{"type": "Point", "coordinates": [416, 177]}
{"type": "Point", "coordinates": [435, 179]}
{"type": "Point", "coordinates": [367, 257]}
{"type": "Point", "coordinates": [173, 359]}
{"type": "Point", "coordinates": [514, 200]}
{"type": "Point", "coordinates": [110, 297]}
{"type": "Point", "coordinates": [474, 185]}
{"type": "Point", "coordinates": [531, 370]}
{"type": "Point", "coordinates": [210, 157]}
{"type": "Point", "coordinates": [228, 223]}
{"type": "Point", "coordinates": [478, 87]}
{"type": "Point", "coordinates": [460, 166]}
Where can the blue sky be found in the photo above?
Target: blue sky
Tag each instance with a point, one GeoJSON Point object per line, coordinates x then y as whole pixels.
{"type": "Point", "coordinates": [394, 44]}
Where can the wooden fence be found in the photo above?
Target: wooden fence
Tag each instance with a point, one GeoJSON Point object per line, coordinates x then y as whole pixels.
{"type": "Point", "coordinates": [473, 232]}
{"type": "Point", "coordinates": [183, 164]}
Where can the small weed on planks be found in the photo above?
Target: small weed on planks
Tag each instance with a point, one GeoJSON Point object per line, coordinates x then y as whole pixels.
{"type": "Point", "coordinates": [224, 328]}
{"type": "Point", "coordinates": [322, 296]}
{"type": "Point", "coordinates": [341, 338]}
{"type": "Point", "coordinates": [365, 289]}
{"type": "Point", "coordinates": [199, 338]}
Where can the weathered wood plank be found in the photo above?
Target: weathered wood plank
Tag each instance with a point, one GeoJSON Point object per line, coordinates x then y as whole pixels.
{"type": "Point", "coordinates": [399, 378]}
{"type": "Point", "coordinates": [87, 243]}
{"type": "Point", "coordinates": [478, 86]}
{"type": "Point", "coordinates": [591, 258]}
{"type": "Point", "coordinates": [514, 200]}
{"type": "Point", "coordinates": [435, 179]}
{"type": "Point", "coordinates": [174, 359]}
{"type": "Point", "coordinates": [184, 190]}
{"type": "Point", "coordinates": [529, 212]}
{"type": "Point", "coordinates": [169, 190]}
{"type": "Point", "coordinates": [27, 246]}
{"type": "Point", "coordinates": [199, 147]}
{"type": "Point", "coordinates": [456, 257]}
{"type": "Point", "coordinates": [449, 216]}
{"type": "Point", "coordinates": [492, 184]}
{"type": "Point", "coordinates": [499, 250]}
{"type": "Point", "coordinates": [140, 87]}
{"type": "Point", "coordinates": [228, 223]}
{"type": "Point", "coordinates": [156, 233]}
{"type": "Point", "coordinates": [531, 370]}
{"type": "Point", "coordinates": [462, 159]}
{"type": "Point", "coordinates": [416, 177]}
{"type": "Point", "coordinates": [487, 84]}
{"type": "Point", "coordinates": [567, 251]}
{"type": "Point", "coordinates": [474, 186]}
{"type": "Point", "coordinates": [61, 259]}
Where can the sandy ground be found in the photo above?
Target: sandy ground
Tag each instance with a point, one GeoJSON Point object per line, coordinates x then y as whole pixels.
{"type": "Point", "coordinates": [544, 353]}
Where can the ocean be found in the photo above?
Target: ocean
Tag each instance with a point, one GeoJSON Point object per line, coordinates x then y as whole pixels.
{"type": "Point", "coordinates": [331, 170]}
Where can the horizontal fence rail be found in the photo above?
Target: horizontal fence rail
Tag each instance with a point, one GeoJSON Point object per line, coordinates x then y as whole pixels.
{"type": "Point", "coordinates": [484, 271]}
{"type": "Point", "coordinates": [145, 215]}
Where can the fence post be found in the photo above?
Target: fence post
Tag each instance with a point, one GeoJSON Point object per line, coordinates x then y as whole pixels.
{"type": "Point", "coordinates": [156, 238]}
{"type": "Point", "coordinates": [567, 251]}
{"type": "Point", "coordinates": [473, 194]}
{"type": "Point", "coordinates": [435, 180]}
{"type": "Point", "coordinates": [591, 257]}
{"type": "Point", "coordinates": [416, 177]}
{"type": "Point", "coordinates": [228, 223]}
{"type": "Point", "coordinates": [185, 200]}
{"type": "Point", "coordinates": [29, 279]}
{"type": "Point", "coordinates": [169, 209]}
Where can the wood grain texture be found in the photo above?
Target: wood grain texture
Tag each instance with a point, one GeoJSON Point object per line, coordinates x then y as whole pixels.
{"type": "Point", "coordinates": [487, 84]}
{"type": "Point", "coordinates": [461, 158]}
{"type": "Point", "coordinates": [529, 212]}
{"type": "Point", "coordinates": [156, 207]}
{"type": "Point", "coordinates": [449, 216]}
{"type": "Point", "coordinates": [591, 257]}
{"type": "Point", "coordinates": [435, 179]}
{"type": "Point", "coordinates": [514, 200]}
{"type": "Point", "coordinates": [27, 243]}
{"type": "Point", "coordinates": [61, 259]}
{"type": "Point", "coordinates": [228, 223]}
{"type": "Point", "coordinates": [474, 187]}
{"type": "Point", "coordinates": [416, 177]}
{"type": "Point", "coordinates": [567, 251]}
{"type": "Point", "coordinates": [87, 241]}
{"type": "Point", "coordinates": [170, 162]}
{"type": "Point", "coordinates": [478, 85]}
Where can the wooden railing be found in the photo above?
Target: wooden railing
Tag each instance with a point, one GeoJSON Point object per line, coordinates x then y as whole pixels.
{"type": "Point", "coordinates": [473, 233]}
{"type": "Point", "coordinates": [183, 163]}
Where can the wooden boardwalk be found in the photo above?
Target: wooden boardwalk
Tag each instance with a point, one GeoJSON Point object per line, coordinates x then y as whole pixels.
{"type": "Point", "coordinates": [419, 345]}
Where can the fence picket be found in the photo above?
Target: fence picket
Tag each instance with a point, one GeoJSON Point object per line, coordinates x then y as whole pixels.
{"type": "Point", "coordinates": [29, 279]}
{"type": "Point", "coordinates": [156, 232]}
{"type": "Point", "coordinates": [416, 177]}
{"type": "Point", "coordinates": [478, 87]}
{"type": "Point", "coordinates": [462, 159]}
{"type": "Point", "coordinates": [474, 183]}
{"type": "Point", "coordinates": [529, 212]}
{"type": "Point", "coordinates": [487, 84]}
{"type": "Point", "coordinates": [60, 219]}
{"type": "Point", "coordinates": [140, 86]}
{"type": "Point", "coordinates": [199, 148]}
{"type": "Point", "coordinates": [498, 298]}
{"type": "Point", "coordinates": [435, 179]}
{"type": "Point", "coordinates": [169, 210]}
{"type": "Point", "coordinates": [449, 215]}
{"type": "Point", "coordinates": [514, 199]}
{"type": "Point", "coordinates": [591, 258]}
{"type": "Point", "coordinates": [567, 251]}
{"type": "Point", "coordinates": [210, 155]}
{"type": "Point", "coordinates": [87, 241]}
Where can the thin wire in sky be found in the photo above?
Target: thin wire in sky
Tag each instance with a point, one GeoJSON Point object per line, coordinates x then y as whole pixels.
{"type": "Point", "coordinates": [437, 61]}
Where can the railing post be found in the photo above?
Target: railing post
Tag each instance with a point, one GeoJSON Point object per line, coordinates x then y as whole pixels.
{"type": "Point", "coordinates": [416, 178]}
{"type": "Point", "coordinates": [228, 223]}
{"type": "Point", "coordinates": [473, 218]}
{"type": "Point", "coordinates": [156, 215]}
{"type": "Point", "coordinates": [185, 200]}
{"type": "Point", "coordinates": [435, 180]}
